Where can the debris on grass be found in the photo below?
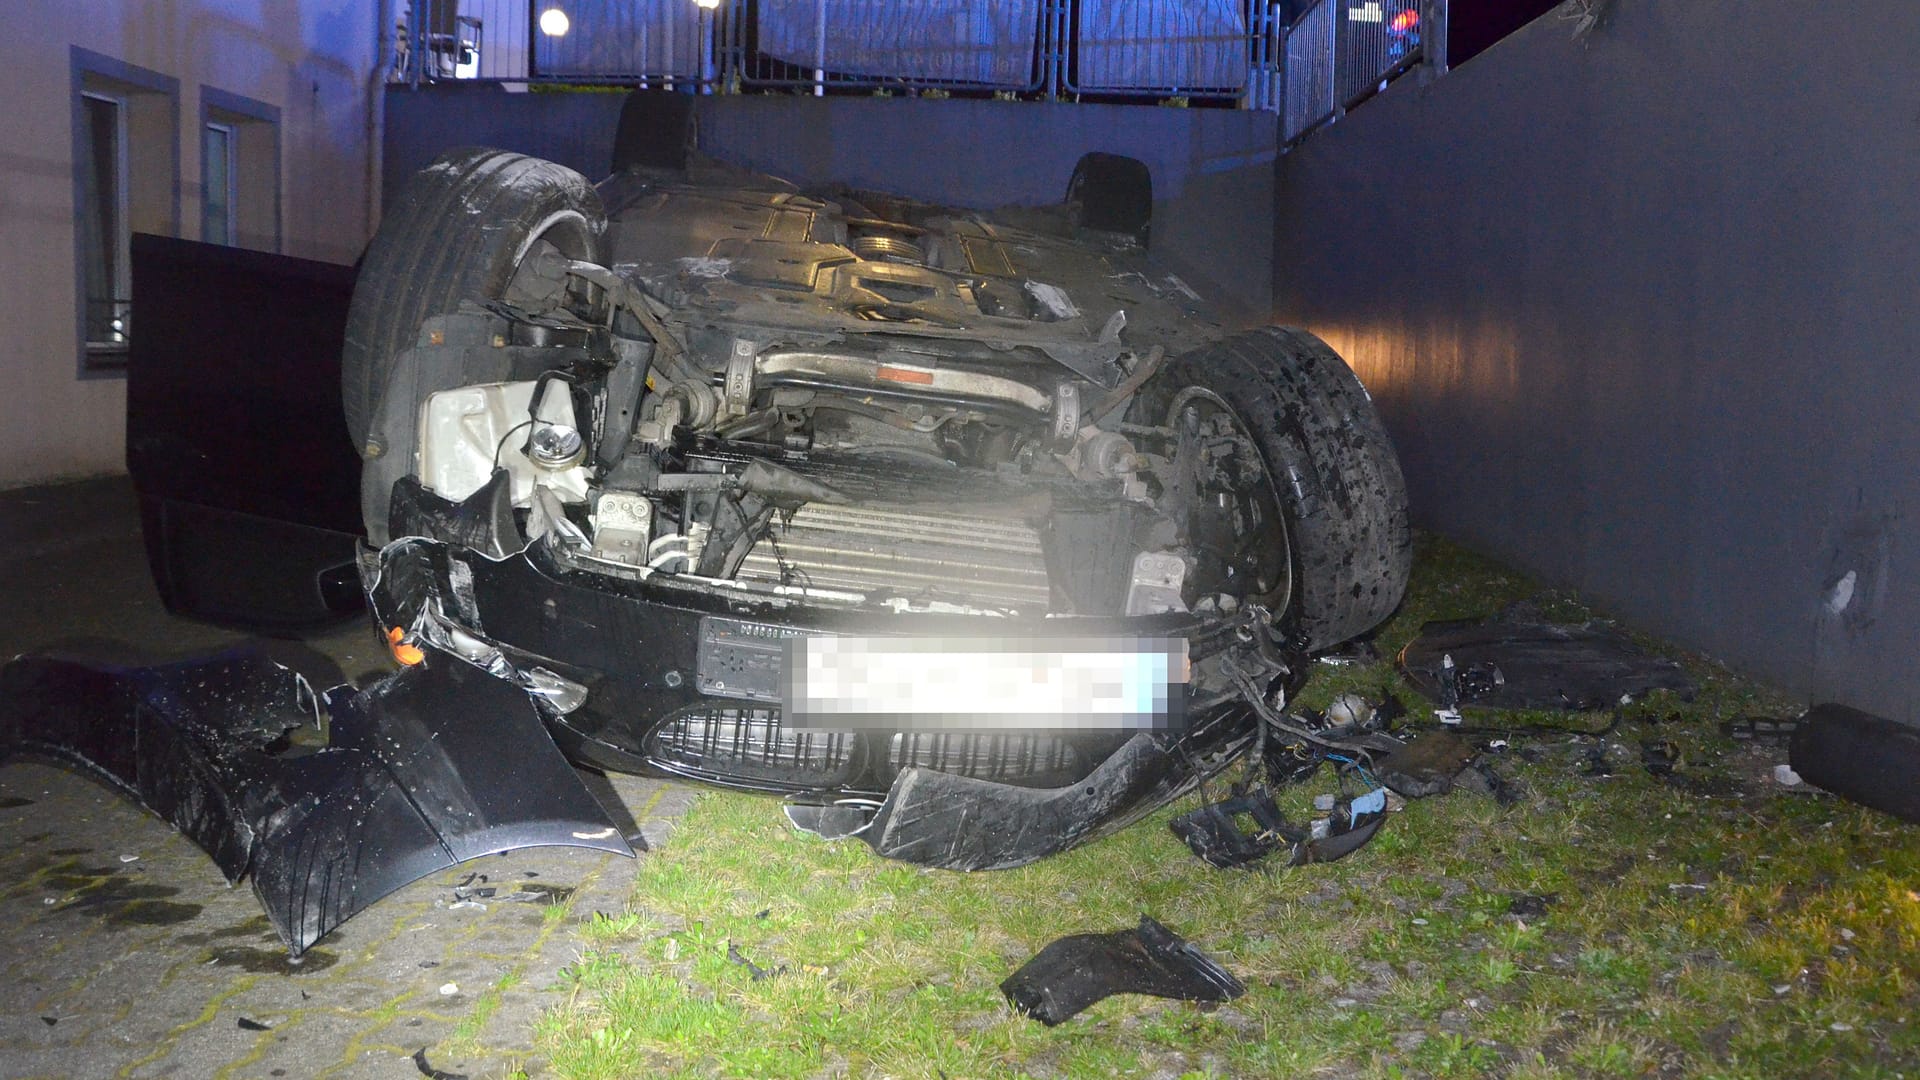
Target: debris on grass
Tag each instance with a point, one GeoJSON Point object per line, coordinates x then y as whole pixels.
{"type": "Point", "coordinates": [1518, 661]}
{"type": "Point", "coordinates": [1076, 971]}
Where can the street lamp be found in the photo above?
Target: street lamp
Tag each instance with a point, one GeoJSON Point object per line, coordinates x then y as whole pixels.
{"type": "Point", "coordinates": [553, 22]}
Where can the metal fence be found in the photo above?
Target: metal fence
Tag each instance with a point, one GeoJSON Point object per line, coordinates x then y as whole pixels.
{"type": "Point", "coordinates": [1243, 52]}
{"type": "Point", "coordinates": [1340, 52]}
{"type": "Point", "coordinates": [881, 44]}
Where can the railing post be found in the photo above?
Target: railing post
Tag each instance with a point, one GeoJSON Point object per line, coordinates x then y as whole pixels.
{"type": "Point", "coordinates": [1433, 40]}
{"type": "Point", "coordinates": [820, 48]}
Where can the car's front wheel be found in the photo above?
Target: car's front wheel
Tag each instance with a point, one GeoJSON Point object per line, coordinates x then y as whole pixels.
{"type": "Point", "coordinates": [1315, 525]}
{"type": "Point", "coordinates": [463, 228]}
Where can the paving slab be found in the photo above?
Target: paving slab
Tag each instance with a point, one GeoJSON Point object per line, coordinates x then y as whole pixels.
{"type": "Point", "coordinates": [123, 952]}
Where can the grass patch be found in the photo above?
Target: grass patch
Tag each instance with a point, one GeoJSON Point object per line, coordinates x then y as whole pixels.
{"type": "Point", "coordinates": [1704, 927]}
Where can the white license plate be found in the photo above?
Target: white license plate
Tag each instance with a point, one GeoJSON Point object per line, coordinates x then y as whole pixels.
{"type": "Point", "coordinates": [975, 684]}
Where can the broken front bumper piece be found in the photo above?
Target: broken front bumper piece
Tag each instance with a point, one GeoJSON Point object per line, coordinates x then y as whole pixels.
{"type": "Point", "coordinates": [436, 765]}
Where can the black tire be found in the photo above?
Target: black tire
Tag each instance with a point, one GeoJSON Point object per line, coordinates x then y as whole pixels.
{"type": "Point", "coordinates": [458, 231]}
{"type": "Point", "coordinates": [1112, 193]}
{"type": "Point", "coordinates": [1332, 468]}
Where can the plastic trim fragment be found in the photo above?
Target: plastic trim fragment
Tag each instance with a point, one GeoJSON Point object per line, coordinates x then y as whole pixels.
{"type": "Point", "coordinates": [427, 768]}
{"type": "Point", "coordinates": [1077, 971]}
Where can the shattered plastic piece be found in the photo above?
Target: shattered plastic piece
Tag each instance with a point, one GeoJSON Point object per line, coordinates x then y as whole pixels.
{"type": "Point", "coordinates": [830, 822]}
{"type": "Point", "coordinates": [1519, 662]}
{"type": "Point", "coordinates": [1759, 729]}
{"type": "Point", "coordinates": [253, 1025]}
{"type": "Point", "coordinates": [321, 833]}
{"type": "Point", "coordinates": [1426, 766]}
{"type": "Point", "coordinates": [1531, 905]}
{"type": "Point", "coordinates": [1077, 971]}
{"type": "Point", "coordinates": [431, 1073]}
{"type": "Point", "coordinates": [1007, 825]}
{"type": "Point", "coordinates": [735, 956]}
{"type": "Point", "coordinates": [1215, 835]}
{"type": "Point", "coordinates": [1480, 777]}
{"type": "Point", "coordinates": [1786, 777]}
{"type": "Point", "coordinates": [1863, 758]}
{"type": "Point", "coordinates": [449, 989]}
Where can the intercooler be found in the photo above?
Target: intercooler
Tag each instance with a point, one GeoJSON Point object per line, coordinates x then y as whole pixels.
{"type": "Point", "coordinates": [917, 553]}
{"type": "Point", "coordinates": [909, 529]}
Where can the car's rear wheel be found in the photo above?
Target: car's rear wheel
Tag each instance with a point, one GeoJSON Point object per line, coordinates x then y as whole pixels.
{"type": "Point", "coordinates": [462, 229]}
{"type": "Point", "coordinates": [1321, 536]}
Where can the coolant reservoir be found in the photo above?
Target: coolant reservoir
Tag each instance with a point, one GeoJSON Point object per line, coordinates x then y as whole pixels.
{"type": "Point", "coordinates": [464, 431]}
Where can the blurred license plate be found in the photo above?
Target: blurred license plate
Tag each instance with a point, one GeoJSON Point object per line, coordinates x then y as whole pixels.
{"type": "Point", "coordinates": [973, 684]}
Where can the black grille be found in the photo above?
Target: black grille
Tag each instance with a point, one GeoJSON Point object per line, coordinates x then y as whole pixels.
{"type": "Point", "coordinates": [748, 744]}
{"type": "Point", "coordinates": [1022, 760]}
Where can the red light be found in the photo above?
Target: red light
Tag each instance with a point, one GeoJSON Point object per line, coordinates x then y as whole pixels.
{"type": "Point", "coordinates": [1406, 21]}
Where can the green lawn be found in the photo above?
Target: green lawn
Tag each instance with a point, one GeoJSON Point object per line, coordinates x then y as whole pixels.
{"type": "Point", "coordinates": [1707, 925]}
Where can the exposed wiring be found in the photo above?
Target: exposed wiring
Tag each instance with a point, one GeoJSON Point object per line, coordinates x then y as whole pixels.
{"type": "Point", "coordinates": [502, 444]}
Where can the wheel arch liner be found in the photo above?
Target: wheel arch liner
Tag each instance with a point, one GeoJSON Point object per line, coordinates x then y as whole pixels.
{"type": "Point", "coordinates": [436, 765]}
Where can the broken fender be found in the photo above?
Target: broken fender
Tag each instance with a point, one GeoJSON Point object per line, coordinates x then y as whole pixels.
{"type": "Point", "coordinates": [427, 768]}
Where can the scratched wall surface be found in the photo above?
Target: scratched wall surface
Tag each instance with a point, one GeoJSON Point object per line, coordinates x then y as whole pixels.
{"type": "Point", "coordinates": [1640, 309]}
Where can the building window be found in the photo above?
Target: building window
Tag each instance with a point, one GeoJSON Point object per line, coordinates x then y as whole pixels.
{"type": "Point", "coordinates": [102, 223]}
{"type": "Point", "coordinates": [239, 171]}
{"type": "Point", "coordinates": [217, 181]}
{"type": "Point", "coordinates": [126, 179]}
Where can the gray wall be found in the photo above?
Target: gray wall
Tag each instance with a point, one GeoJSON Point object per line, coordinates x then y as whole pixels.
{"type": "Point", "coordinates": [1641, 311]}
{"type": "Point", "coordinates": [1212, 168]}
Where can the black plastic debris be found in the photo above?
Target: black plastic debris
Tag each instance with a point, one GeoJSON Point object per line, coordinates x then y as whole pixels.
{"type": "Point", "coordinates": [1863, 758]}
{"type": "Point", "coordinates": [1426, 765]}
{"type": "Point", "coordinates": [1247, 828]}
{"type": "Point", "coordinates": [1519, 662]}
{"type": "Point", "coordinates": [322, 833]}
{"type": "Point", "coordinates": [49, 1020]}
{"type": "Point", "coordinates": [246, 1024]}
{"type": "Point", "coordinates": [1348, 654]}
{"type": "Point", "coordinates": [1238, 832]}
{"type": "Point", "coordinates": [1077, 971]}
{"type": "Point", "coordinates": [1483, 779]}
{"type": "Point", "coordinates": [431, 1073]}
{"type": "Point", "coordinates": [735, 956]}
{"type": "Point", "coordinates": [1660, 757]}
{"type": "Point", "coordinates": [1531, 905]}
{"type": "Point", "coordinates": [1759, 729]}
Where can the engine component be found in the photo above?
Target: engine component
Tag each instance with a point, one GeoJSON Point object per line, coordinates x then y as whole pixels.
{"type": "Point", "coordinates": [555, 446]}
{"type": "Point", "coordinates": [889, 249]}
{"type": "Point", "coordinates": [622, 525]}
{"type": "Point", "coordinates": [466, 433]}
{"type": "Point", "coordinates": [737, 392]}
{"type": "Point", "coordinates": [1157, 579]}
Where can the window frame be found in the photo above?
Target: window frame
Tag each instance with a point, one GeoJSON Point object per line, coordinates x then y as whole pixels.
{"type": "Point", "coordinates": [250, 112]}
{"type": "Point", "coordinates": [111, 363]}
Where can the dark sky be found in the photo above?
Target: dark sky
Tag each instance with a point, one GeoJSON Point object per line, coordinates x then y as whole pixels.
{"type": "Point", "coordinates": [1472, 25]}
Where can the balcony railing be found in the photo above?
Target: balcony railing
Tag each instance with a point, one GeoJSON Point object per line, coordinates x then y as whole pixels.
{"type": "Point", "coordinates": [1217, 52]}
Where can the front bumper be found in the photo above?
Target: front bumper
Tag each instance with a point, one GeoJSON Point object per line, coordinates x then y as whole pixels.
{"type": "Point", "coordinates": [957, 799]}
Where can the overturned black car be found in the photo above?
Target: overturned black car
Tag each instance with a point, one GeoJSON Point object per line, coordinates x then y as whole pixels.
{"type": "Point", "coordinates": [970, 534]}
